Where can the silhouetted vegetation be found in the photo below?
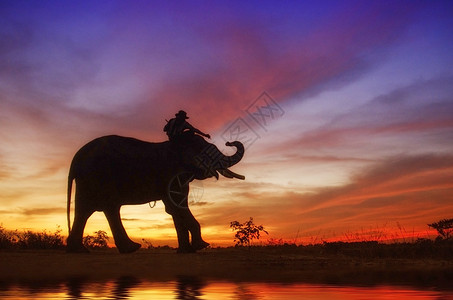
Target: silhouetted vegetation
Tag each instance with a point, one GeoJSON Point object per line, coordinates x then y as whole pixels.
{"type": "Point", "coordinates": [98, 241]}
{"type": "Point", "coordinates": [246, 232]}
{"type": "Point", "coordinates": [440, 248]}
{"type": "Point", "coordinates": [6, 239]}
{"type": "Point", "coordinates": [30, 240]}
{"type": "Point", "coordinates": [444, 228]}
{"type": "Point", "coordinates": [420, 249]}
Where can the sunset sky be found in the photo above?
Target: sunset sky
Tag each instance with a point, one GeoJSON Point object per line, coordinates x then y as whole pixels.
{"type": "Point", "coordinates": [345, 107]}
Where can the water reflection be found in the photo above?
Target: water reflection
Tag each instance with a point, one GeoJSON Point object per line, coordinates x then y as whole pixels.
{"type": "Point", "coordinates": [123, 286]}
{"type": "Point", "coordinates": [189, 288]}
{"type": "Point", "coordinates": [193, 288]}
{"type": "Point", "coordinates": [74, 288]}
{"type": "Point", "coordinates": [244, 292]}
{"type": "Point", "coordinates": [119, 289]}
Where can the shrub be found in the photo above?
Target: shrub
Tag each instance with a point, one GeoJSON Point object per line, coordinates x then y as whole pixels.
{"type": "Point", "coordinates": [6, 239]}
{"type": "Point", "coordinates": [30, 240]}
{"type": "Point", "coordinates": [98, 241]}
{"type": "Point", "coordinates": [40, 240]}
{"type": "Point", "coordinates": [147, 244]}
{"type": "Point", "coordinates": [444, 228]}
{"type": "Point", "coordinates": [246, 232]}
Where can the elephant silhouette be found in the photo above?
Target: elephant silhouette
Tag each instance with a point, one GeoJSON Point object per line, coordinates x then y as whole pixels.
{"type": "Point", "coordinates": [112, 171]}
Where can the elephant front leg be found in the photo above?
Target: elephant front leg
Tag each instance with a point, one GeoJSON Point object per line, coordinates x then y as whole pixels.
{"type": "Point", "coordinates": [122, 240]}
{"type": "Point", "coordinates": [182, 232]}
{"type": "Point", "coordinates": [185, 223]}
{"type": "Point", "coordinates": [194, 227]}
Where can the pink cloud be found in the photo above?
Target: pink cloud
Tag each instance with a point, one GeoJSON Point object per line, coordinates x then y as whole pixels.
{"type": "Point", "coordinates": [250, 58]}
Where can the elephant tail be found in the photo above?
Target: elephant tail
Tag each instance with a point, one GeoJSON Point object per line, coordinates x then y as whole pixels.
{"type": "Point", "coordinates": [68, 212]}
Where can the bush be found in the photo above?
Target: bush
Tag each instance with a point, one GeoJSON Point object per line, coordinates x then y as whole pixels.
{"type": "Point", "coordinates": [6, 239]}
{"type": "Point", "coordinates": [98, 241]}
{"type": "Point", "coordinates": [246, 232]}
{"type": "Point", "coordinates": [30, 240]}
{"type": "Point", "coordinates": [444, 228]}
{"type": "Point", "coordinates": [40, 240]}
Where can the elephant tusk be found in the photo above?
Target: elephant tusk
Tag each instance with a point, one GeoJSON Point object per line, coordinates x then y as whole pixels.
{"type": "Point", "coordinates": [214, 173]}
{"type": "Point", "coordinates": [230, 174]}
{"type": "Point", "coordinates": [225, 173]}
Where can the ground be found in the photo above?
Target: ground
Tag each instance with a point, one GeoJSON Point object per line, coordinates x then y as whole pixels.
{"type": "Point", "coordinates": [230, 264]}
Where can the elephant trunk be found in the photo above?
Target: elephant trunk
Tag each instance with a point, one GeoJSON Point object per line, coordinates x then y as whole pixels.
{"type": "Point", "coordinates": [211, 161]}
{"type": "Point", "coordinates": [228, 161]}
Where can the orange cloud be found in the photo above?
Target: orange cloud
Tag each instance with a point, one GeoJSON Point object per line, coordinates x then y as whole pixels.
{"type": "Point", "coordinates": [411, 191]}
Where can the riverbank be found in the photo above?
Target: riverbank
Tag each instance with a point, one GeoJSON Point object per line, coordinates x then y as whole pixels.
{"type": "Point", "coordinates": [231, 264]}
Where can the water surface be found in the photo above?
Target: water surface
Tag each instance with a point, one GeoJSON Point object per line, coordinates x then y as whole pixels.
{"type": "Point", "coordinates": [193, 288]}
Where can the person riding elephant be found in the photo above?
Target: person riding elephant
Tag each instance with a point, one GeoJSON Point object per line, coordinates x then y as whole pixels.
{"type": "Point", "coordinates": [176, 126]}
{"type": "Point", "coordinates": [112, 171]}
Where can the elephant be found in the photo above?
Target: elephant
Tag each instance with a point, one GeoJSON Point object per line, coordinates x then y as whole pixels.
{"type": "Point", "coordinates": [112, 171]}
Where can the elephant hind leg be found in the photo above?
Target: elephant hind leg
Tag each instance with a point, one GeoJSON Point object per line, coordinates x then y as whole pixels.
{"type": "Point", "coordinates": [74, 242]}
{"type": "Point", "coordinates": [122, 241]}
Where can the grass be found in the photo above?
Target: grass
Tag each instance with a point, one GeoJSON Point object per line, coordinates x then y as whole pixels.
{"type": "Point", "coordinates": [420, 248]}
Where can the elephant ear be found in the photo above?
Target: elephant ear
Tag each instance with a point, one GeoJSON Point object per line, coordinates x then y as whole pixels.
{"type": "Point", "coordinates": [207, 161]}
{"type": "Point", "coordinates": [191, 150]}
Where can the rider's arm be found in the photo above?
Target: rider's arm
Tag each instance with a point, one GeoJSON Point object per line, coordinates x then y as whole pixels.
{"type": "Point", "coordinates": [190, 127]}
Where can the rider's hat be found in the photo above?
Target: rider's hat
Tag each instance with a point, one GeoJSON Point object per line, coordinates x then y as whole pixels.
{"type": "Point", "coordinates": [182, 114]}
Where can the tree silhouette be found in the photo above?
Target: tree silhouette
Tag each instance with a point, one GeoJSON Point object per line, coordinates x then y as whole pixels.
{"type": "Point", "coordinates": [444, 227]}
{"type": "Point", "coordinates": [246, 232]}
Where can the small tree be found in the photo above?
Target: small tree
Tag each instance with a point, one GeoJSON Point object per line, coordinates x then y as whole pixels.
{"type": "Point", "coordinates": [444, 228]}
{"type": "Point", "coordinates": [246, 232]}
{"type": "Point", "coordinates": [98, 241]}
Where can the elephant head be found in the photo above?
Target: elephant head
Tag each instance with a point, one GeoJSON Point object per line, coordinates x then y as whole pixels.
{"type": "Point", "coordinates": [206, 160]}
